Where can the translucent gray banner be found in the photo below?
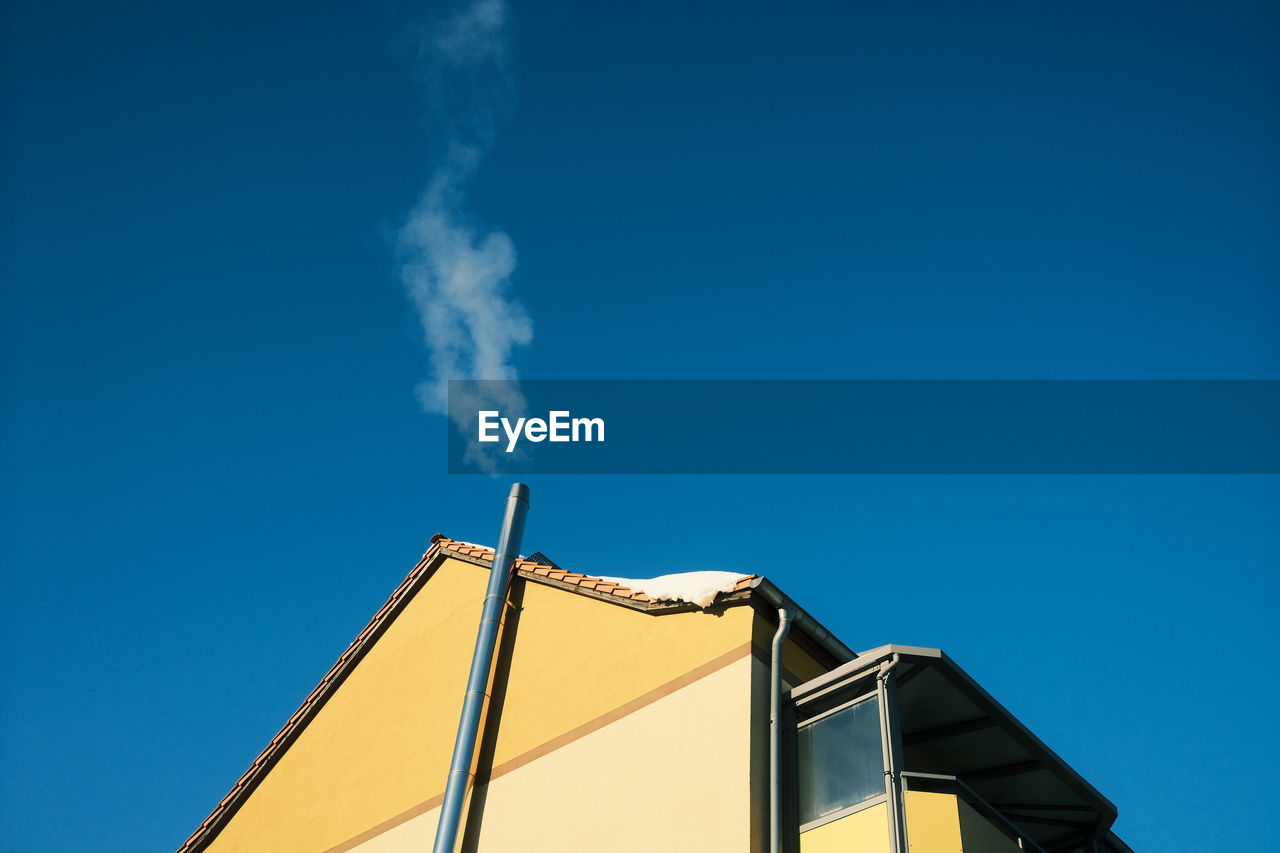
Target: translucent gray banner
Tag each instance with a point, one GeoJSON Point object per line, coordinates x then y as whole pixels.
{"type": "Point", "coordinates": [864, 427]}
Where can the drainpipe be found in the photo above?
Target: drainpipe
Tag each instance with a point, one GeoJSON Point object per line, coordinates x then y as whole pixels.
{"type": "Point", "coordinates": [495, 599]}
{"type": "Point", "coordinates": [775, 725]}
{"type": "Point", "coordinates": [889, 750]}
{"type": "Point", "coordinates": [789, 613]}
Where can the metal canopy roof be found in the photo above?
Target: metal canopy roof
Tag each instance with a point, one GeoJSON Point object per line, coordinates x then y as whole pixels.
{"type": "Point", "coordinates": [951, 726]}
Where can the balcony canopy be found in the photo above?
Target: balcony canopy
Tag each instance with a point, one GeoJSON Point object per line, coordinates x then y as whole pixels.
{"type": "Point", "coordinates": [951, 727]}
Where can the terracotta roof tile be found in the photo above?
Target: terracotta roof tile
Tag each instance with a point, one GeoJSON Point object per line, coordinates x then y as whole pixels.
{"type": "Point", "coordinates": [529, 568]}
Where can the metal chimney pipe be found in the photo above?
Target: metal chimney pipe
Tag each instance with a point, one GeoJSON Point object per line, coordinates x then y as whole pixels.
{"type": "Point", "coordinates": [495, 599]}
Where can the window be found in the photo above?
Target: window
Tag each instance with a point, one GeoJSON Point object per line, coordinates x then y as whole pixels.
{"type": "Point", "coordinates": [839, 761]}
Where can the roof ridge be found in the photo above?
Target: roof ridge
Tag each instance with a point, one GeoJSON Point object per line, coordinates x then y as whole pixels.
{"type": "Point", "coordinates": [531, 568]}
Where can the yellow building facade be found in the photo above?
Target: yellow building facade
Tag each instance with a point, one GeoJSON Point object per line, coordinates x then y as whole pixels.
{"type": "Point", "coordinates": [614, 723]}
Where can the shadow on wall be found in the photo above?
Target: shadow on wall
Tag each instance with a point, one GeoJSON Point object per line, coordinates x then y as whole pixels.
{"type": "Point", "coordinates": [493, 717]}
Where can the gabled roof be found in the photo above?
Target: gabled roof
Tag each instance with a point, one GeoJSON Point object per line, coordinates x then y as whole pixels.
{"type": "Point", "coordinates": [441, 548]}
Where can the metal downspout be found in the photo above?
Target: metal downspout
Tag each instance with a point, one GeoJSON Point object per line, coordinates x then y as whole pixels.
{"type": "Point", "coordinates": [455, 792]}
{"type": "Point", "coordinates": [889, 750]}
{"type": "Point", "coordinates": [775, 726]}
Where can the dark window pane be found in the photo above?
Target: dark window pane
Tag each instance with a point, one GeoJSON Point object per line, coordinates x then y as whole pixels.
{"type": "Point", "coordinates": [839, 760]}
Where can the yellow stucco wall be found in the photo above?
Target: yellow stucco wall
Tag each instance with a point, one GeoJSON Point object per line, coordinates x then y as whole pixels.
{"type": "Point", "coordinates": [936, 823]}
{"type": "Point", "coordinates": [671, 776]}
{"type": "Point", "coordinates": [933, 823]}
{"type": "Point", "coordinates": [866, 831]}
{"type": "Point", "coordinates": [943, 823]}
{"type": "Point", "coordinates": [381, 745]}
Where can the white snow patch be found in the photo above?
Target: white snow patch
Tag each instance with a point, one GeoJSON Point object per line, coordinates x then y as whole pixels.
{"type": "Point", "coordinates": [700, 588]}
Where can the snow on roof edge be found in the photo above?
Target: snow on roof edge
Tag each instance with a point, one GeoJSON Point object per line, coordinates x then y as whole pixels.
{"type": "Point", "coordinates": [700, 588]}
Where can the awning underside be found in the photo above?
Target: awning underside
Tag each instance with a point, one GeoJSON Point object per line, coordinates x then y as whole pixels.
{"type": "Point", "coordinates": [946, 731]}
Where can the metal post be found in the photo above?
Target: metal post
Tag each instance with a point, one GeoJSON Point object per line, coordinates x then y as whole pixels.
{"type": "Point", "coordinates": [890, 745]}
{"type": "Point", "coordinates": [775, 728]}
{"type": "Point", "coordinates": [464, 745]}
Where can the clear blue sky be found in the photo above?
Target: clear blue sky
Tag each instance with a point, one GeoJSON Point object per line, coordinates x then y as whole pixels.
{"type": "Point", "coordinates": [216, 467]}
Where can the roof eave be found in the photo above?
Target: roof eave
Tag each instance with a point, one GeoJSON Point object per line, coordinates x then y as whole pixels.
{"type": "Point", "coordinates": [802, 620]}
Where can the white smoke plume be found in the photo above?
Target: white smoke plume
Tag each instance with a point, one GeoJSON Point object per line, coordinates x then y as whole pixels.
{"type": "Point", "coordinates": [457, 275]}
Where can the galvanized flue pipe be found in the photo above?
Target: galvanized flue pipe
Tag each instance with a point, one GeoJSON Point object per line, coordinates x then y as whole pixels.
{"type": "Point", "coordinates": [495, 599]}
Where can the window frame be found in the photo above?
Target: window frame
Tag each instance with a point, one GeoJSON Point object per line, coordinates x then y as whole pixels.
{"type": "Point", "coordinates": [878, 799]}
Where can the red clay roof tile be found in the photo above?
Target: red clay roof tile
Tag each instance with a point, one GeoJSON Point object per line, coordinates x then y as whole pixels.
{"type": "Point", "coordinates": [529, 568]}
